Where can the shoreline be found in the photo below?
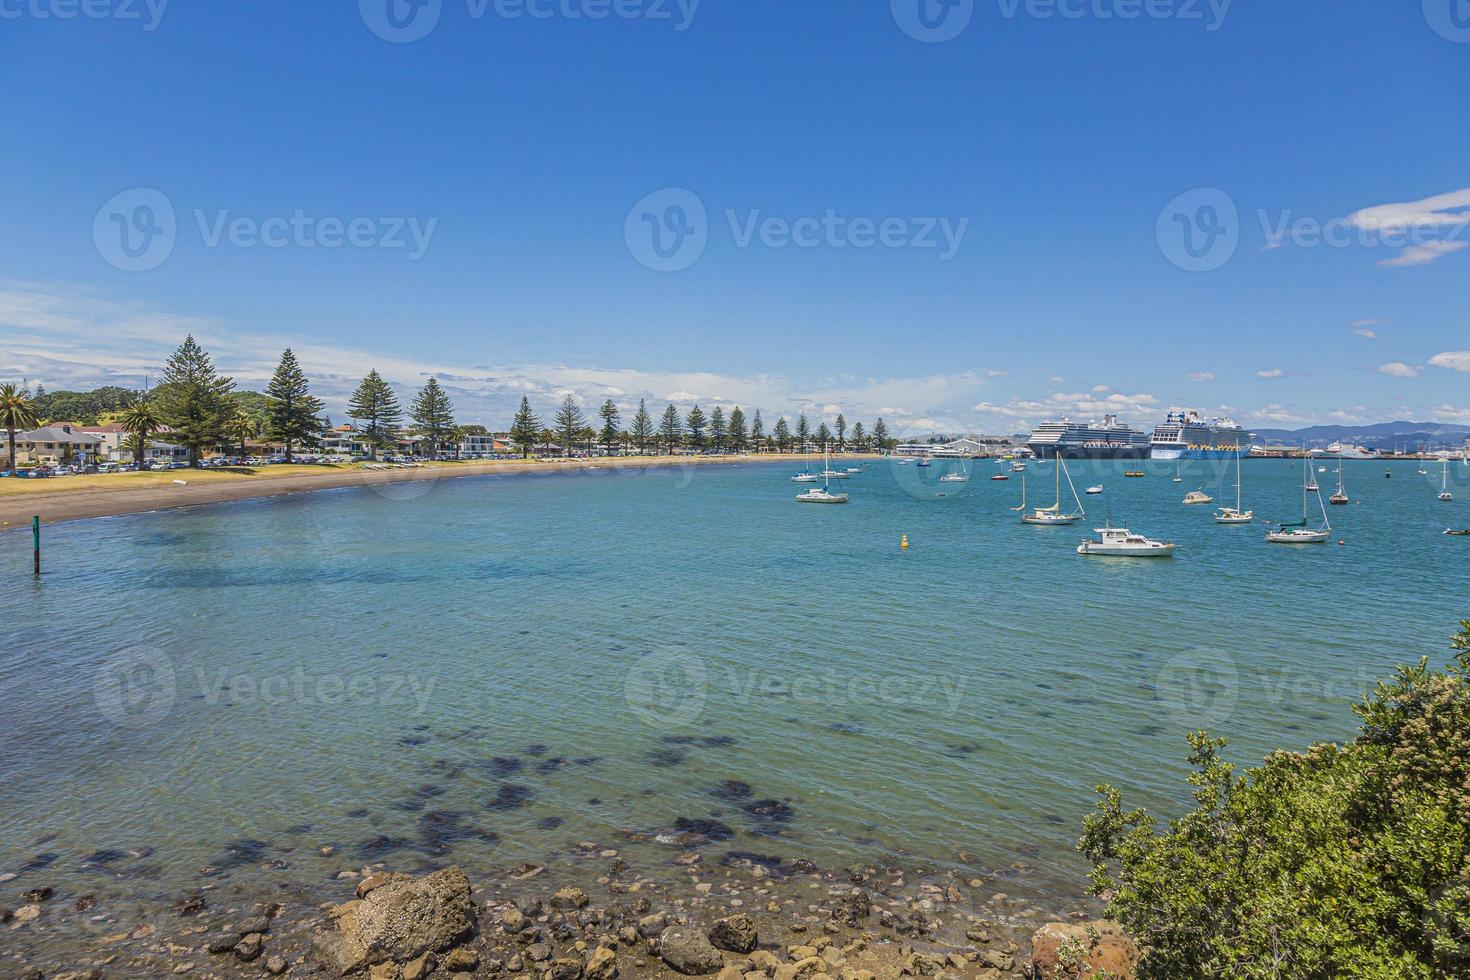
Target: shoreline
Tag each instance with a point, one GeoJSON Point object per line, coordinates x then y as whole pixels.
{"type": "Point", "coordinates": [883, 919]}
{"type": "Point", "coordinates": [87, 502]}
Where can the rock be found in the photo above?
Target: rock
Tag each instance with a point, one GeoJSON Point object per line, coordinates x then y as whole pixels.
{"type": "Point", "coordinates": [276, 965]}
{"type": "Point", "coordinates": [42, 894]}
{"type": "Point", "coordinates": [461, 960]}
{"type": "Point", "coordinates": [399, 921]}
{"type": "Point", "coordinates": [249, 947]}
{"type": "Point", "coordinates": [651, 925]}
{"type": "Point", "coordinates": [853, 910]}
{"type": "Point", "coordinates": [26, 913]}
{"type": "Point", "coordinates": [764, 960]}
{"type": "Point", "coordinates": [255, 923]}
{"type": "Point", "coordinates": [802, 969]}
{"type": "Point", "coordinates": [513, 921]}
{"type": "Point", "coordinates": [190, 905]}
{"type": "Point", "coordinates": [731, 973]}
{"type": "Point", "coordinates": [418, 967]}
{"type": "Point", "coordinates": [385, 971]}
{"type": "Point", "coordinates": [223, 942]}
{"type": "Point", "coordinates": [736, 933]}
{"type": "Point", "coordinates": [1101, 945]}
{"type": "Point", "coordinates": [601, 965]}
{"type": "Point", "coordinates": [375, 881]}
{"type": "Point", "coordinates": [569, 898]}
{"type": "Point", "coordinates": [688, 951]}
{"type": "Point", "coordinates": [538, 952]}
{"type": "Point", "coordinates": [565, 968]}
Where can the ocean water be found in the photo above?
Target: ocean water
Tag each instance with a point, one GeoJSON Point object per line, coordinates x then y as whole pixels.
{"type": "Point", "coordinates": [502, 670]}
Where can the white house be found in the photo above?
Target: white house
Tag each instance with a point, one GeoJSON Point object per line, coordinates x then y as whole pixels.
{"type": "Point", "coordinates": [56, 444]}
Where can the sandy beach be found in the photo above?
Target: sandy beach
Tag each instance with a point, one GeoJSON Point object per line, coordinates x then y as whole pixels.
{"type": "Point", "coordinates": [78, 498]}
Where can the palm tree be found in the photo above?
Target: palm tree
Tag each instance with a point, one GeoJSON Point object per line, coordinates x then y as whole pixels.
{"type": "Point", "coordinates": [243, 425]}
{"type": "Point", "coordinates": [140, 421]}
{"type": "Point", "coordinates": [16, 414]}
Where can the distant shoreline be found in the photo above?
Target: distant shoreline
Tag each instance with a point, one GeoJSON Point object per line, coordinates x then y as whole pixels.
{"type": "Point", "coordinates": [83, 501]}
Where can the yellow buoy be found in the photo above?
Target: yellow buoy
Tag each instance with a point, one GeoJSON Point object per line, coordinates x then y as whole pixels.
{"type": "Point", "coordinates": [904, 542]}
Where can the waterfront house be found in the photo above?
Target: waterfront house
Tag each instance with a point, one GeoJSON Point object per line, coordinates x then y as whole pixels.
{"type": "Point", "coordinates": [54, 444]}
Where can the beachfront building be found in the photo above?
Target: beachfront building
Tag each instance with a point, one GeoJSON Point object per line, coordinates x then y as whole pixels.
{"type": "Point", "coordinates": [56, 444]}
{"type": "Point", "coordinates": [344, 440]}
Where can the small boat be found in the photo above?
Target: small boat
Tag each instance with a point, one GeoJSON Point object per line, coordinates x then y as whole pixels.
{"type": "Point", "coordinates": [1340, 497]}
{"type": "Point", "coordinates": [1119, 542]}
{"type": "Point", "coordinates": [834, 475]}
{"type": "Point", "coordinates": [904, 462]}
{"type": "Point", "coordinates": [1133, 473]}
{"type": "Point", "coordinates": [851, 470]}
{"type": "Point", "coordinates": [1198, 497]}
{"type": "Point", "coordinates": [1299, 533]}
{"type": "Point", "coordinates": [807, 478]}
{"type": "Point", "coordinates": [820, 495]}
{"type": "Point", "coordinates": [1234, 515]}
{"type": "Point", "coordinates": [1178, 475]}
{"type": "Point", "coordinates": [1388, 474]}
{"type": "Point", "coordinates": [1458, 532]}
{"type": "Point", "coordinates": [1444, 483]}
{"type": "Point", "coordinates": [1052, 516]}
{"type": "Point", "coordinates": [925, 462]}
{"type": "Point", "coordinates": [1094, 491]}
{"type": "Point", "coordinates": [956, 476]}
{"type": "Point", "coordinates": [823, 494]}
{"type": "Point", "coordinates": [1001, 476]}
{"type": "Point", "coordinates": [1018, 467]}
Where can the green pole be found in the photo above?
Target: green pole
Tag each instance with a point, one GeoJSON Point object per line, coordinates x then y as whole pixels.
{"type": "Point", "coordinates": [36, 541]}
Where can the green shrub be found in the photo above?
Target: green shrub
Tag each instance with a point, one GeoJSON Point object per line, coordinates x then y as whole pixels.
{"type": "Point", "coordinates": [1343, 861]}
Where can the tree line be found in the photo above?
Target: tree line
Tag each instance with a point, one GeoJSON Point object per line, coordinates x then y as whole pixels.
{"type": "Point", "coordinates": [200, 409]}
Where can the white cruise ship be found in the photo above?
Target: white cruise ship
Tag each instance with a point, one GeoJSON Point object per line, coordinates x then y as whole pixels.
{"type": "Point", "coordinates": [1108, 439]}
{"type": "Point", "coordinates": [1188, 435]}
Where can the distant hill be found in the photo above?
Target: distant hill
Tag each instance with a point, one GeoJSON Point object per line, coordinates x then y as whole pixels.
{"type": "Point", "coordinates": [1380, 435]}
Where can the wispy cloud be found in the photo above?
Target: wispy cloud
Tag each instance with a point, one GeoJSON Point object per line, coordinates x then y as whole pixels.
{"type": "Point", "coordinates": [1271, 374]}
{"type": "Point", "coordinates": [1455, 360]}
{"type": "Point", "coordinates": [1399, 369]}
{"type": "Point", "coordinates": [1364, 328]}
{"type": "Point", "coordinates": [1200, 376]}
{"type": "Point", "coordinates": [1423, 254]}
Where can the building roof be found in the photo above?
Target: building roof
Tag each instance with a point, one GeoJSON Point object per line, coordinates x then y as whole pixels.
{"type": "Point", "coordinates": [56, 433]}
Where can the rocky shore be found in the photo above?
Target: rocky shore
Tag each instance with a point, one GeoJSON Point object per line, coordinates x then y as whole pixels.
{"type": "Point", "coordinates": [728, 920]}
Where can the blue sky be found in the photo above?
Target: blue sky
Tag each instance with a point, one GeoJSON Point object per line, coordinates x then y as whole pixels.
{"type": "Point", "coordinates": [501, 168]}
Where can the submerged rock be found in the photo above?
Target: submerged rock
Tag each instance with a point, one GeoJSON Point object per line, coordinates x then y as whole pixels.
{"type": "Point", "coordinates": [399, 922]}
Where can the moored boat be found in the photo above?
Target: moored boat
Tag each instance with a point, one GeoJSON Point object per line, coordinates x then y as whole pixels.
{"type": "Point", "coordinates": [1119, 542]}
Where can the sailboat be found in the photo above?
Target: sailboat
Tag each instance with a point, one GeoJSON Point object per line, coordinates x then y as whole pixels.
{"type": "Point", "coordinates": [1298, 533]}
{"type": "Point", "coordinates": [1052, 516]}
{"type": "Point", "coordinates": [1178, 473]}
{"type": "Point", "coordinates": [1234, 515]}
{"type": "Point", "coordinates": [960, 475]}
{"type": "Point", "coordinates": [1444, 482]}
{"type": "Point", "coordinates": [1340, 497]}
{"type": "Point", "coordinates": [823, 494]}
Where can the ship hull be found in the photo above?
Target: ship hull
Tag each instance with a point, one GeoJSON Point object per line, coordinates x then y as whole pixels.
{"type": "Point", "coordinates": [1169, 452]}
{"type": "Point", "coordinates": [1050, 451]}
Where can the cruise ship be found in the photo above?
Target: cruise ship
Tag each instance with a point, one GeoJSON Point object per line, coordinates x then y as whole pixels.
{"type": "Point", "coordinates": [1187, 435]}
{"type": "Point", "coordinates": [1108, 439]}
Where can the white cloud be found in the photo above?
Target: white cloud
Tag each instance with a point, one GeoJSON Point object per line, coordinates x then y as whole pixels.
{"type": "Point", "coordinates": [997, 374]}
{"type": "Point", "coordinates": [1364, 328]}
{"type": "Point", "coordinates": [1399, 369]}
{"type": "Point", "coordinates": [1200, 376]}
{"type": "Point", "coordinates": [1455, 360]}
{"type": "Point", "coordinates": [1271, 374]}
{"type": "Point", "coordinates": [1443, 210]}
{"type": "Point", "coordinates": [1423, 254]}
{"type": "Point", "coordinates": [1449, 413]}
{"type": "Point", "coordinates": [1101, 388]}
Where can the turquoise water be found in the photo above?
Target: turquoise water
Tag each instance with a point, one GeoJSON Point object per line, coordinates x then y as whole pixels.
{"type": "Point", "coordinates": [498, 669]}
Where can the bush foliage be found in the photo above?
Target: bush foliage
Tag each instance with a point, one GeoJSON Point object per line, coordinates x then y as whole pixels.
{"type": "Point", "coordinates": [1343, 861]}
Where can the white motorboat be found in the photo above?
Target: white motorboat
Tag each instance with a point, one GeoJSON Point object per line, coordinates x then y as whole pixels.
{"type": "Point", "coordinates": [1300, 533]}
{"type": "Point", "coordinates": [1198, 497]}
{"type": "Point", "coordinates": [1119, 542]}
{"type": "Point", "coordinates": [1094, 491]}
